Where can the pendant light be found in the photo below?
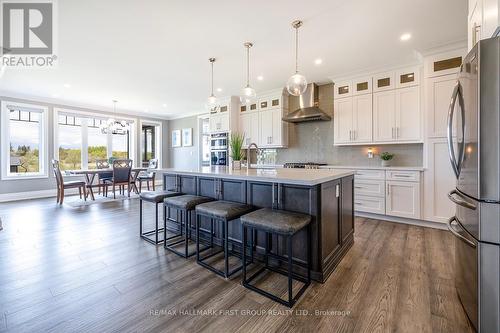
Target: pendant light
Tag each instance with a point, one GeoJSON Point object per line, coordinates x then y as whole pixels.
{"type": "Point", "coordinates": [297, 83]}
{"type": "Point", "coordinates": [113, 126]}
{"type": "Point", "coordinates": [247, 93]}
{"type": "Point", "coordinates": [212, 102]}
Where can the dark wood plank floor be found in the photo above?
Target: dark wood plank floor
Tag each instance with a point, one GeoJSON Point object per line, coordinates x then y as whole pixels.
{"type": "Point", "coordinates": [84, 269]}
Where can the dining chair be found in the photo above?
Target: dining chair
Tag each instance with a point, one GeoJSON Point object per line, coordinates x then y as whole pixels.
{"type": "Point", "coordinates": [62, 185]}
{"type": "Point", "coordinates": [122, 170]}
{"type": "Point", "coordinates": [101, 177]}
{"type": "Point", "coordinates": [148, 176]}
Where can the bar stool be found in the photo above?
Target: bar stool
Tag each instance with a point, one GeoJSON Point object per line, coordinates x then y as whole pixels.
{"type": "Point", "coordinates": [286, 224]}
{"type": "Point", "coordinates": [223, 212]}
{"type": "Point", "coordinates": [185, 204]}
{"type": "Point", "coordinates": [156, 198]}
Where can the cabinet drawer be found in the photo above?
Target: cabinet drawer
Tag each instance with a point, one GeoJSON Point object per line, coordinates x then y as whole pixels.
{"type": "Point", "coordinates": [369, 204]}
{"type": "Point", "coordinates": [408, 176]}
{"type": "Point", "coordinates": [369, 187]}
{"type": "Point", "coordinates": [370, 174]}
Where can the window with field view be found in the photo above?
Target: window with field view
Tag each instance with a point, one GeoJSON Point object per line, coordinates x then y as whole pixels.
{"type": "Point", "coordinates": [81, 143]}
{"type": "Point", "coordinates": [23, 143]}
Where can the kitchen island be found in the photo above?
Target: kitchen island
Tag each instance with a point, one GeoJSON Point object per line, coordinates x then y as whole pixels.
{"type": "Point", "coordinates": [326, 195]}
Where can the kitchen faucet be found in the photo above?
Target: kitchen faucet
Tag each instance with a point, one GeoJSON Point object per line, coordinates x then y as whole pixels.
{"type": "Point", "coordinates": [253, 144]}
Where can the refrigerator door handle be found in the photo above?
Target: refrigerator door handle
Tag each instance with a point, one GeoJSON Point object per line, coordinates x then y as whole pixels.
{"type": "Point", "coordinates": [457, 93]}
{"type": "Point", "coordinates": [454, 231]}
{"type": "Point", "coordinates": [462, 203]}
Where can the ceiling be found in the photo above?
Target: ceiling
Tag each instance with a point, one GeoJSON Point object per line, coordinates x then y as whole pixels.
{"type": "Point", "coordinates": [152, 56]}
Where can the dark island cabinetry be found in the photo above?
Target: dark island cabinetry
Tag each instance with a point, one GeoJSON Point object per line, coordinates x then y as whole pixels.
{"type": "Point", "coordinates": [330, 204]}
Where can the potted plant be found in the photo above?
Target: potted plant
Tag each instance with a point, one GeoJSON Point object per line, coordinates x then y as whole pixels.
{"type": "Point", "coordinates": [235, 144]}
{"type": "Point", "coordinates": [386, 158]}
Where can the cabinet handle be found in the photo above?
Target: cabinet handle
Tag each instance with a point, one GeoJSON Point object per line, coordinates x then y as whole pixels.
{"type": "Point", "coordinates": [272, 194]}
{"type": "Point", "coordinates": [279, 193]}
{"type": "Point", "coordinates": [397, 132]}
{"type": "Point", "coordinates": [354, 135]}
{"type": "Point", "coordinates": [350, 136]}
{"type": "Point", "coordinates": [388, 190]}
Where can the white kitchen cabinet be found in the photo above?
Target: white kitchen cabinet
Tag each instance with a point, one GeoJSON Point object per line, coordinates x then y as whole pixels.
{"type": "Point", "coordinates": [369, 204]}
{"type": "Point", "coordinates": [483, 20]}
{"type": "Point", "coordinates": [342, 120]}
{"type": "Point", "coordinates": [438, 96]}
{"type": "Point", "coordinates": [408, 116]}
{"type": "Point", "coordinates": [353, 119]}
{"type": "Point", "coordinates": [403, 199]}
{"type": "Point", "coordinates": [361, 86]}
{"type": "Point", "coordinates": [362, 119]}
{"type": "Point", "coordinates": [219, 123]}
{"type": "Point", "coordinates": [342, 89]}
{"type": "Point", "coordinates": [444, 63]}
{"type": "Point", "coordinates": [384, 81]}
{"type": "Point", "coordinates": [271, 128]}
{"type": "Point", "coordinates": [384, 116]}
{"type": "Point", "coordinates": [249, 126]}
{"type": "Point", "coordinates": [439, 179]}
{"type": "Point", "coordinates": [396, 115]}
{"type": "Point", "coordinates": [407, 77]}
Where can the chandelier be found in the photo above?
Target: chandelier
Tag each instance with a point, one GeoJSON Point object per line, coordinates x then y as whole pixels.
{"type": "Point", "coordinates": [113, 126]}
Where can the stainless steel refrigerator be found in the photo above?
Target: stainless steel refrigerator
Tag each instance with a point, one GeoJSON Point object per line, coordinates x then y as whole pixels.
{"type": "Point", "coordinates": [474, 149]}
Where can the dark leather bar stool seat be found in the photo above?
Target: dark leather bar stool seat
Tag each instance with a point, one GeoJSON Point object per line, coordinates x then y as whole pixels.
{"type": "Point", "coordinates": [285, 224]}
{"type": "Point", "coordinates": [223, 212]}
{"type": "Point", "coordinates": [185, 204]}
{"type": "Point", "coordinates": [156, 197]}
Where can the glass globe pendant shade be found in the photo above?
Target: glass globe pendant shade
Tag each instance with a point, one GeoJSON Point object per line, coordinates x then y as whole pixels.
{"type": "Point", "coordinates": [247, 95]}
{"type": "Point", "coordinates": [212, 103]}
{"type": "Point", "coordinates": [296, 84]}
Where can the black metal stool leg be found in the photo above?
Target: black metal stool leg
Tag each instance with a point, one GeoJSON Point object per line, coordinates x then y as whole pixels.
{"type": "Point", "coordinates": [140, 217]}
{"type": "Point", "coordinates": [156, 223]}
{"type": "Point", "coordinates": [226, 248]}
{"type": "Point", "coordinates": [244, 260]}
{"type": "Point", "coordinates": [290, 268]}
{"type": "Point", "coordinates": [197, 238]}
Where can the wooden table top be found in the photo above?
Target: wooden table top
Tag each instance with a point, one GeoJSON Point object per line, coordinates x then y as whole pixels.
{"type": "Point", "coordinates": [97, 171]}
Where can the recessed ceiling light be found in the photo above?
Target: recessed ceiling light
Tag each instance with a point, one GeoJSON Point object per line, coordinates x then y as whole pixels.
{"type": "Point", "coordinates": [260, 78]}
{"type": "Point", "coordinates": [55, 95]}
{"type": "Point", "coordinates": [405, 37]}
{"type": "Point", "coordinates": [318, 61]}
{"type": "Point", "coordinates": [219, 89]}
{"type": "Point", "coordinates": [164, 105]}
{"type": "Point", "coordinates": [146, 110]}
{"type": "Point", "coordinates": [67, 85]}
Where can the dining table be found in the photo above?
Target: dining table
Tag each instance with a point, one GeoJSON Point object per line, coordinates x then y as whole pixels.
{"type": "Point", "coordinates": [90, 174]}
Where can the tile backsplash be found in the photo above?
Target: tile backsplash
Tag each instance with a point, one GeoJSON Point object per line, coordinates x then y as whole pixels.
{"type": "Point", "coordinates": [313, 142]}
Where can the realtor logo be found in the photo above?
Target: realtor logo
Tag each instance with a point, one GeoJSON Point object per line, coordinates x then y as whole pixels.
{"type": "Point", "coordinates": [28, 33]}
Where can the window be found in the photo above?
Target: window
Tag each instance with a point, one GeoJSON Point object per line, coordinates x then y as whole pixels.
{"type": "Point", "coordinates": [150, 142]}
{"type": "Point", "coordinates": [70, 138]}
{"type": "Point", "coordinates": [205, 141]}
{"type": "Point", "coordinates": [80, 142]}
{"type": "Point", "coordinates": [24, 140]}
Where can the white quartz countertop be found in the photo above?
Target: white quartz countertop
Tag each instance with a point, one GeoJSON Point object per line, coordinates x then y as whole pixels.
{"type": "Point", "coordinates": [350, 167]}
{"type": "Point", "coordinates": [289, 176]}
{"type": "Point", "coordinates": [415, 168]}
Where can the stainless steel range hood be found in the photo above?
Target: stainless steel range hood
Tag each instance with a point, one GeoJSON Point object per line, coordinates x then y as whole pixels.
{"type": "Point", "coordinates": [309, 109]}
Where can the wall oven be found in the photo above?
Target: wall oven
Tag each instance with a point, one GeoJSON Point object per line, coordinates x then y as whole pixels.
{"type": "Point", "coordinates": [219, 149]}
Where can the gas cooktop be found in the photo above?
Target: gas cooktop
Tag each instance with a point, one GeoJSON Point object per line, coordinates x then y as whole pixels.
{"type": "Point", "coordinates": [303, 165]}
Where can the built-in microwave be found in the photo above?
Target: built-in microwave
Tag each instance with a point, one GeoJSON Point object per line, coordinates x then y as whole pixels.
{"type": "Point", "coordinates": [218, 141]}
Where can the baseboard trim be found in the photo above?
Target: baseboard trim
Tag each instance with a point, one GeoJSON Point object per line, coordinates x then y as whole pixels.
{"type": "Point", "coordinates": [420, 223]}
{"type": "Point", "coordinates": [29, 195]}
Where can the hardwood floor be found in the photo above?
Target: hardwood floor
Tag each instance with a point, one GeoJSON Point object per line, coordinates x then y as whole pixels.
{"type": "Point", "coordinates": [85, 269]}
